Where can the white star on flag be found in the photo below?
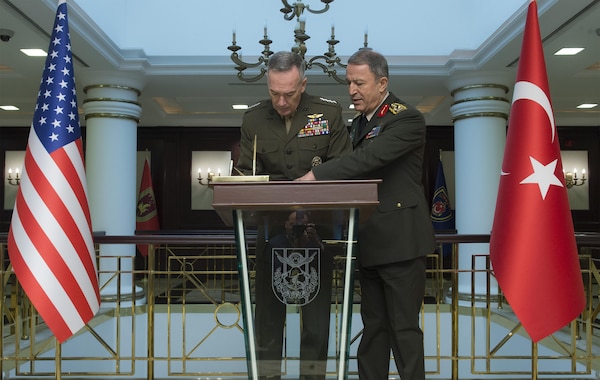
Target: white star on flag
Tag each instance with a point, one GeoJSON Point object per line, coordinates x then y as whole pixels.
{"type": "Point", "coordinates": [543, 176]}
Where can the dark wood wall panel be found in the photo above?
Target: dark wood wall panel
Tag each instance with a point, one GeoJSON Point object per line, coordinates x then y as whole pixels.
{"type": "Point", "coordinates": [172, 147]}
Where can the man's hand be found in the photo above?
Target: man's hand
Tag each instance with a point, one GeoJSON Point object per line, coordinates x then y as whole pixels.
{"type": "Point", "coordinates": [307, 177]}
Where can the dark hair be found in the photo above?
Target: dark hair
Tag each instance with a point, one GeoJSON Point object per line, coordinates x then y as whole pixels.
{"type": "Point", "coordinates": [285, 61]}
{"type": "Point", "coordinates": [377, 62]}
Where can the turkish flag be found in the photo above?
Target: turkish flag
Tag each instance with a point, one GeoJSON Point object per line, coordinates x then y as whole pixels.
{"type": "Point", "coordinates": [532, 246]}
{"type": "Point", "coordinates": [146, 211]}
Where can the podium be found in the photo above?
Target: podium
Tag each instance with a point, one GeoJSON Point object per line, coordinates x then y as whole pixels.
{"type": "Point", "coordinates": [318, 221]}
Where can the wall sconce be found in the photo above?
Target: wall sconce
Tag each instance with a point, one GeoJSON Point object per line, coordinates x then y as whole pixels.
{"type": "Point", "coordinates": [571, 179]}
{"type": "Point", "coordinates": [209, 176]}
{"type": "Point", "coordinates": [13, 180]}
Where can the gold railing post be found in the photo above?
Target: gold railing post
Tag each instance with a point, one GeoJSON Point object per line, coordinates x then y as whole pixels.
{"type": "Point", "coordinates": [454, 311]}
{"type": "Point", "coordinates": [2, 304]}
{"type": "Point", "coordinates": [150, 308]}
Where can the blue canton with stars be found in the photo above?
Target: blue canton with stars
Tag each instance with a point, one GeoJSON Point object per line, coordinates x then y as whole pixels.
{"type": "Point", "coordinates": [56, 121]}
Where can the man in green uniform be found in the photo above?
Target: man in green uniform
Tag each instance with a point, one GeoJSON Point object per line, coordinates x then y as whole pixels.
{"type": "Point", "coordinates": [294, 131]}
{"type": "Point", "coordinates": [389, 144]}
{"type": "Point", "coordinates": [289, 134]}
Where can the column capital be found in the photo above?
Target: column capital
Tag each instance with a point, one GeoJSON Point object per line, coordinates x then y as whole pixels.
{"type": "Point", "coordinates": [117, 78]}
{"type": "Point", "coordinates": [112, 94]}
{"type": "Point", "coordinates": [479, 94]}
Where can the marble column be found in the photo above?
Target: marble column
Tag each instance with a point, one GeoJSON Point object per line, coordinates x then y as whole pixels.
{"type": "Point", "coordinates": [112, 113]}
{"type": "Point", "coordinates": [480, 113]}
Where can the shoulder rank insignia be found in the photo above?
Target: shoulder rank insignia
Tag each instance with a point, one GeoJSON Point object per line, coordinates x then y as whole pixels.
{"type": "Point", "coordinates": [328, 100]}
{"type": "Point", "coordinates": [396, 108]}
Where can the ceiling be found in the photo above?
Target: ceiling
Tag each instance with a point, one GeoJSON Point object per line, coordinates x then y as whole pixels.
{"type": "Point", "coordinates": [179, 48]}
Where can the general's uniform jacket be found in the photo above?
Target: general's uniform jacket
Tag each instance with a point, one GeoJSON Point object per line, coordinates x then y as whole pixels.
{"type": "Point", "coordinates": [317, 134]}
{"type": "Point", "coordinates": [390, 148]}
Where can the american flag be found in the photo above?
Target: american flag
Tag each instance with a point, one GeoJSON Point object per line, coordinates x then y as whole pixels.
{"type": "Point", "coordinates": [50, 241]}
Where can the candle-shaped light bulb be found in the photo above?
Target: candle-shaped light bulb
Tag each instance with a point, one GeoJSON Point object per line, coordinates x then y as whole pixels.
{"type": "Point", "coordinates": [199, 173]}
{"type": "Point", "coordinates": [233, 37]}
{"type": "Point", "coordinates": [575, 173]}
{"type": "Point", "coordinates": [219, 171]}
{"type": "Point", "coordinates": [583, 173]}
{"type": "Point", "coordinates": [332, 31]}
{"type": "Point", "coordinates": [17, 173]}
{"type": "Point", "coordinates": [9, 173]}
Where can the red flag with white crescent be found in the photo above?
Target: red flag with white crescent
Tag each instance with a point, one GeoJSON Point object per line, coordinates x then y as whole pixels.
{"type": "Point", "coordinates": [532, 247]}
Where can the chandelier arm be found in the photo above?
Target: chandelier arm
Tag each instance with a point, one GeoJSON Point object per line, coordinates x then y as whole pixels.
{"type": "Point", "coordinates": [235, 58]}
{"type": "Point", "coordinates": [327, 69]}
{"type": "Point", "coordinates": [331, 62]}
{"type": "Point", "coordinates": [319, 11]}
{"type": "Point", "coordinates": [241, 76]}
{"type": "Point", "coordinates": [287, 10]}
{"type": "Point", "coordinates": [325, 9]}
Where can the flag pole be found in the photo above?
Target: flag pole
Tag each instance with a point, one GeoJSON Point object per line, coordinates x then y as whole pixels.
{"type": "Point", "coordinates": [534, 359]}
{"type": "Point", "coordinates": [58, 369]}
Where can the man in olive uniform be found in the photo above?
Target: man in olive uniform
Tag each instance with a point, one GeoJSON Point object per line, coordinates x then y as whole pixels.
{"type": "Point", "coordinates": [389, 142]}
{"type": "Point", "coordinates": [294, 131]}
{"type": "Point", "coordinates": [289, 134]}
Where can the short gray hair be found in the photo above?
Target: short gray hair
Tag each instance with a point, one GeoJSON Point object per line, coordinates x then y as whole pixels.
{"type": "Point", "coordinates": [376, 61]}
{"type": "Point", "coordinates": [285, 61]}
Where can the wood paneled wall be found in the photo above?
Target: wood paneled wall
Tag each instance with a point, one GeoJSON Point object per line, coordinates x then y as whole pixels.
{"type": "Point", "coordinates": [172, 147]}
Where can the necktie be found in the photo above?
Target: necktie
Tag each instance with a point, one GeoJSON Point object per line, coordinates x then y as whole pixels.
{"type": "Point", "coordinates": [362, 124]}
{"type": "Point", "coordinates": [288, 124]}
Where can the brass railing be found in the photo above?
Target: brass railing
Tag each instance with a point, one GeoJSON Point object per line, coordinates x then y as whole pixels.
{"type": "Point", "coordinates": [149, 333]}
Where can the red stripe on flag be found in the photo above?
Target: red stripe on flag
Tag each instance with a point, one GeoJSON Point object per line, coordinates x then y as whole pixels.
{"type": "Point", "coordinates": [53, 259]}
{"type": "Point", "coordinates": [63, 161]}
{"type": "Point", "coordinates": [60, 211]}
{"type": "Point", "coordinates": [36, 291]}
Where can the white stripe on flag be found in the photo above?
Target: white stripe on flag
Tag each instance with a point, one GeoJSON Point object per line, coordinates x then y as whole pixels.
{"type": "Point", "coordinates": [53, 230]}
{"type": "Point", "coordinates": [42, 273]}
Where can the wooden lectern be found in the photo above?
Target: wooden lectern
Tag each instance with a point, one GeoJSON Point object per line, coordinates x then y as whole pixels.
{"type": "Point", "coordinates": [256, 204]}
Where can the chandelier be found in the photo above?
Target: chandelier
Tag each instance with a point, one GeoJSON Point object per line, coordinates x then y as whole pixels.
{"type": "Point", "coordinates": [329, 62]}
